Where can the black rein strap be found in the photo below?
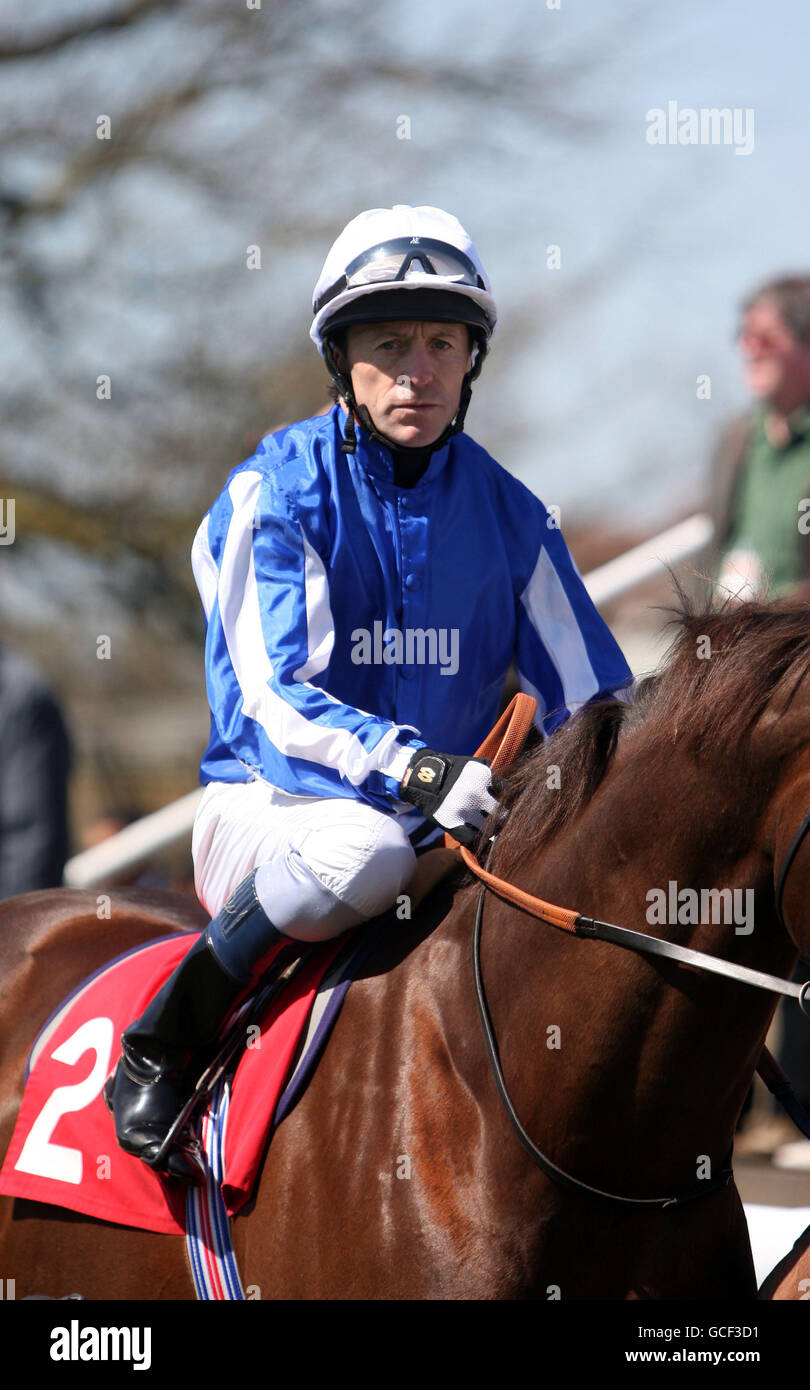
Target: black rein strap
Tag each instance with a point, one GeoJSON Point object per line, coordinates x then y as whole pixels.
{"type": "Point", "coordinates": [550, 1169]}
{"type": "Point", "coordinates": [651, 945]}
{"type": "Point", "coordinates": [795, 846]}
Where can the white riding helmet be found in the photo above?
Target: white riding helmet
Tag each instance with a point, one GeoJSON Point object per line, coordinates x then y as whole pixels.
{"type": "Point", "coordinates": [400, 251]}
{"type": "Point", "coordinates": [402, 263]}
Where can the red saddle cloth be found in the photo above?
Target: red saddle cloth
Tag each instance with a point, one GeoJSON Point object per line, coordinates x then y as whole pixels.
{"type": "Point", "coordinates": [64, 1151]}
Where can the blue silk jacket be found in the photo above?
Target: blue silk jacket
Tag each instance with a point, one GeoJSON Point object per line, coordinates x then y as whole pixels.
{"type": "Point", "coordinates": [350, 621]}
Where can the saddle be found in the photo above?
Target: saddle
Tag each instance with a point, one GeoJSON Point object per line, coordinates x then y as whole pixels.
{"type": "Point", "coordinates": [64, 1151]}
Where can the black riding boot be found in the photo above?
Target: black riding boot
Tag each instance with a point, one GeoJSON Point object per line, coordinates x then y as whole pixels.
{"type": "Point", "coordinates": [162, 1051]}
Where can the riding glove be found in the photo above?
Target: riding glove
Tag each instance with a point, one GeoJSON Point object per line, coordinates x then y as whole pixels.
{"type": "Point", "coordinates": [453, 791]}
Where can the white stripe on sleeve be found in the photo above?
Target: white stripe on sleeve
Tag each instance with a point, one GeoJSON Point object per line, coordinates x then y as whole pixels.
{"type": "Point", "coordinates": [320, 624]}
{"type": "Point", "coordinates": [551, 615]}
{"type": "Point", "coordinates": [204, 567]}
{"type": "Point", "coordinates": [286, 727]}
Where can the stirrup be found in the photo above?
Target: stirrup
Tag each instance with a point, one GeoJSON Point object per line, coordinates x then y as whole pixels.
{"type": "Point", "coordinates": [176, 1155]}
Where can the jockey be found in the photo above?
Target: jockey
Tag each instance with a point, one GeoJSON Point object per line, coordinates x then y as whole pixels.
{"type": "Point", "coordinates": [368, 578]}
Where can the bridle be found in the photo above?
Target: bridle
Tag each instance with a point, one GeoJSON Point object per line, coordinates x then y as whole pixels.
{"type": "Point", "coordinates": [787, 862]}
{"type": "Point", "coordinates": [502, 745]}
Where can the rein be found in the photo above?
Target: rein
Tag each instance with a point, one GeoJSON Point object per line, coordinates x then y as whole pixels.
{"type": "Point", "coordinates": [502, 745]}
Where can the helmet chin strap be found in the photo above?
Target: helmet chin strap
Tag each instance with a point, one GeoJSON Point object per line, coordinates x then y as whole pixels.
{"type": "Point", "coordinates": [362, 413]}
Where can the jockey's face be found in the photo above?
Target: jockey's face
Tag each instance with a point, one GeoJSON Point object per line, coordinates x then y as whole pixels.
{"type": "Point", "coordinates": [408, 374]}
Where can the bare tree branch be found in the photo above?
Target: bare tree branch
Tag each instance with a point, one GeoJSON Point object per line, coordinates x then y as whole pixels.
{"type": "Point", "coordinates": [83, 29]}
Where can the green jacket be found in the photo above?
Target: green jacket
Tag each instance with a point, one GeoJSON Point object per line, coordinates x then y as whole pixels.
{"type": "Point", "coordinates": [728, 462]}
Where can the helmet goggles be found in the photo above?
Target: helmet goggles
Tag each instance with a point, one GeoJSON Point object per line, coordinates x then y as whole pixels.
{"type": "Point", "coordinates": [390, 263]}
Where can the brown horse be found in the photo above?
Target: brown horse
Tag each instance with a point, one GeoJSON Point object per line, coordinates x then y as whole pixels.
{"type": "Point", "coordinates": [398, 1175]}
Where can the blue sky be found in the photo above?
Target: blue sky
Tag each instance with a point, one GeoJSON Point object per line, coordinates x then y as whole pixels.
{"type": "Point", "coordinates": [604, 400]}
{"type": "Point", "coordinates": [590, 391]}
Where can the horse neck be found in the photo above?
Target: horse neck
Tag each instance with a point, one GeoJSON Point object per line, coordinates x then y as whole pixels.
{"type": "Point", "coordinates": [624, 1023]}
{"type": "Point", "coordinates": [663, 831]}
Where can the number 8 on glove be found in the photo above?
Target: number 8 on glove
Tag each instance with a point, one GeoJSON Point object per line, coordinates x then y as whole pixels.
{"type": "Point", "coordinates": [453, 791]}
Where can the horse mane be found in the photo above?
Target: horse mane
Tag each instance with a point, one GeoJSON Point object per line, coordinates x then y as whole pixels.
{"type": "Point", "coordinates": [718, 677]}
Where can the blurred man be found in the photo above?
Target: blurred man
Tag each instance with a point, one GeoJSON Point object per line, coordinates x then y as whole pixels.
{"type": "Point", "coordinates": [762, 527]}
{"type": "Point", "coordinates": [761, 481]}
{"type": "Point", "coordinates": [34, 767]}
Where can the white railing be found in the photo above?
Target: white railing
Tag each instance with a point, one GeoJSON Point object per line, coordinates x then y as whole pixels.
{"type": "Point", "coordinates": [134, 844]}
{"type": "Point", "coordinates": [645, 561]}
{"type": "Point", "coordinates": [173, 823]}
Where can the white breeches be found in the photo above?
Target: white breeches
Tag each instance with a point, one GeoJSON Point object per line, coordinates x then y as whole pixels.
{"type": "Point", "coordinates": [324, 864]}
